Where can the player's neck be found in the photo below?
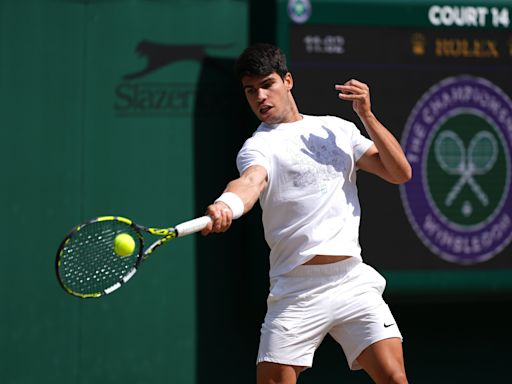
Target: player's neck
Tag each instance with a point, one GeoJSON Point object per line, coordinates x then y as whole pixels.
{"type": "Point", "coordinates": [294, 114]}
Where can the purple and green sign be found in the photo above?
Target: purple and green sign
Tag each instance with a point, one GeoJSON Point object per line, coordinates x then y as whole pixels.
{"type": "Point", "coordinates": [458, 139]}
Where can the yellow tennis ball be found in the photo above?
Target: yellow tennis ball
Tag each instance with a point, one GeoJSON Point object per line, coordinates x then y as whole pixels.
{"type": "Point", "coordinates": [124, 245]}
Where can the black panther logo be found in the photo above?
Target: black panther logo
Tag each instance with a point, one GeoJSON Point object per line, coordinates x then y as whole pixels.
{"type": "Point", "coordinates": [159, 55]}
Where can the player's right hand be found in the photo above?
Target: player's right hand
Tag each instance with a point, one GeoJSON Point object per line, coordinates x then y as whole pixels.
{"type": "Point", "coordinates": [222, 217]}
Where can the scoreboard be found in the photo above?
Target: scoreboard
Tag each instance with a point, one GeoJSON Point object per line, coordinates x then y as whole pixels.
{"type": "Point", "coordinates": [440, 76]}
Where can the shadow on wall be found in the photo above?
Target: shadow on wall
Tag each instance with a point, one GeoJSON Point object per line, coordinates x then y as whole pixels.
{"type": "Point", "coordinates": [232, 270]}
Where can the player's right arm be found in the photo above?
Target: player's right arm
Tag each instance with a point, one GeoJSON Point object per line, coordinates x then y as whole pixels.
{"type": "Point", "coordinates": [248, 188]}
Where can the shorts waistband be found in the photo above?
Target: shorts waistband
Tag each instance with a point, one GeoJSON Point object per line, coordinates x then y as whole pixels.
{"type": "Point", "coordinates": [339, 268]}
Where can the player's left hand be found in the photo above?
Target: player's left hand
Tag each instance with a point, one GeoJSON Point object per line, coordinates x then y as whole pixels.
{"type": "Point", "coordinates": [357, 92]}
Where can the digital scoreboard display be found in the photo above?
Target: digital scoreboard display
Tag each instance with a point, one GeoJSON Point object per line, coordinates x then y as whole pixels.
{"type": "Point", "coordinates": [440, 78]}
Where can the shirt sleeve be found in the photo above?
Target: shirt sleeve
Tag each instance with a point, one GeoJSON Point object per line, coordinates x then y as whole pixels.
{"type": "Point", "coordinates": [360, 143]}
{"type": "Point", "coordinates": [253, 152]}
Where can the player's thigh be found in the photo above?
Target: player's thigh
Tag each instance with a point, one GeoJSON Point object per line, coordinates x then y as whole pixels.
{"type": "Point", "coordinates": [384, 361]}
{"type": "Point", "coordinates": [274, 373]}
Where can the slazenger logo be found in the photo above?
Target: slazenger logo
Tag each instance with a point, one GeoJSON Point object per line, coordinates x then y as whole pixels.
{"type": "Point", "coordinates": [458, 140]}
{"type": "Point", "coordinates": [159, 98]}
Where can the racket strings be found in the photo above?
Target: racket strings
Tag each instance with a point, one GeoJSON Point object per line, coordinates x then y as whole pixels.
{"type": "Point", "coordinates": [88, 262]}
{"type": "Point", "coordinates": [450, 152]}
{"type": "Point", "coordinates": [475, 159]}
{"type": "Point", "coordinates": [483, 152]}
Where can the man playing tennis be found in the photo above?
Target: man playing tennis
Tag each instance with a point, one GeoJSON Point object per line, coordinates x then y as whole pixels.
{"type": "Point", "coordinates": [303, 171]}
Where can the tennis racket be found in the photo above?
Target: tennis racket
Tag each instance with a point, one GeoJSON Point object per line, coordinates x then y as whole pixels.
{"type": "Point", "coordinates": [88, 265]}
{"type": "Point", "coordinates": [479, 159]}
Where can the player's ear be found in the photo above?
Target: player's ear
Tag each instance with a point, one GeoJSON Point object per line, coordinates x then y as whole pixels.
{"type": "Point", "coordinates": [288, 81]}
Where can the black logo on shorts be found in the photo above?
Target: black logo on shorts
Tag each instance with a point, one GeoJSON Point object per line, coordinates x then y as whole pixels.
{"type": "Point", "coordinates": [388, 325]}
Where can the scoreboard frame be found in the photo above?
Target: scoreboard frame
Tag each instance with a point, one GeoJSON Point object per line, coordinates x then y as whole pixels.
{"type": "Point", "coordinates": [399, 39]}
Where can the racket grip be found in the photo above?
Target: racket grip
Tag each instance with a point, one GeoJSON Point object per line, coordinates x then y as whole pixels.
{"type": "Point", "coordinates": [192, 226]}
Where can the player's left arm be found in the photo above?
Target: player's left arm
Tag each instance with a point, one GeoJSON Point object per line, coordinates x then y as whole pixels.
{"type": "Point", "coordinates": [386, 158]}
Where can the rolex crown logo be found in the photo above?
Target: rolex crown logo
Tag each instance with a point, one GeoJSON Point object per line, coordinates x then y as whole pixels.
{"type": "Point", "coordinates": [418, 43]}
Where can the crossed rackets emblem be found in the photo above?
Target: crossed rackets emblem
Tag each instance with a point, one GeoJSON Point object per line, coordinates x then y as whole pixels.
{"type": "Point", "coordinates": [454, 158]}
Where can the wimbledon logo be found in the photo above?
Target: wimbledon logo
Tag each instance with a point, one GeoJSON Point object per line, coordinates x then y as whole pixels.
{"type": "Point", "coordinates": [458, 140]}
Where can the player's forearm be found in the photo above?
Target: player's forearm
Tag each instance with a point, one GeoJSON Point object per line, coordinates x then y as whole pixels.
{"type": "Point", "coordinates": [238, 198]}
{"type": "Point", "coordinates": [390, 151]}
{"type": "Point", "coordinates": [248, 189]}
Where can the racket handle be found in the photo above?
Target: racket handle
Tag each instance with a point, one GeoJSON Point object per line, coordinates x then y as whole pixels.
{"type": "Point", "coordinates": [192, 226]}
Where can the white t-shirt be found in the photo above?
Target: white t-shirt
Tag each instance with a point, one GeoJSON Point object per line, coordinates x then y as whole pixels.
{"type": "Point", "coordinates": [310, 205]}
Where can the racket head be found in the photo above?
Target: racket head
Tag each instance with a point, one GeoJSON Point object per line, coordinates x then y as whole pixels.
{"type": "Point", "coordinates": [87, 265]}
{"type": "Point", "coordinates": [482, 152]}
{"type": "Point", "coordinates": [450, 152]}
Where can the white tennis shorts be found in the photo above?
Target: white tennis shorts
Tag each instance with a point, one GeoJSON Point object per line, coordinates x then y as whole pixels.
{"type": "Point", "coordinates": [343, 299]}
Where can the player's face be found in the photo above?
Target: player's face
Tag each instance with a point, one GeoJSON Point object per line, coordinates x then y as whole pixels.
{"type": "Point", "coordinates": [269, 97]}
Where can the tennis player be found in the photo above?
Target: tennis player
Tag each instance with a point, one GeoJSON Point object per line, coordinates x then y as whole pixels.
{"type": "Point", "coordinates": [302, 169]}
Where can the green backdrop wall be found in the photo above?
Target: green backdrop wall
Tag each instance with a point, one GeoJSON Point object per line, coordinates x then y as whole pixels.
{"type": "Point", "coordinates": [98, 104]}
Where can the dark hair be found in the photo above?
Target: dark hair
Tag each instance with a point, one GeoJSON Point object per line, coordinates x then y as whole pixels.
{"type": "Point", "coordinates": [261, 60]}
